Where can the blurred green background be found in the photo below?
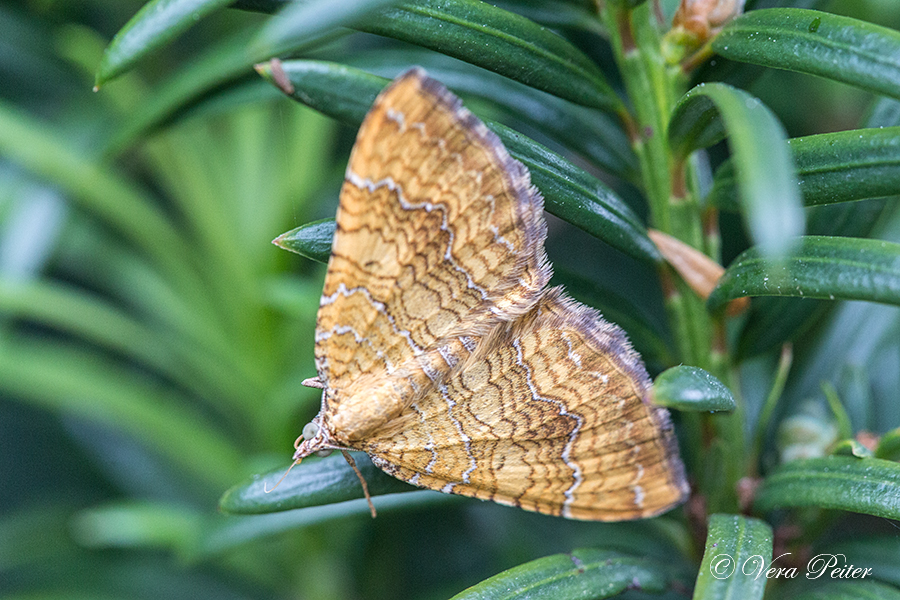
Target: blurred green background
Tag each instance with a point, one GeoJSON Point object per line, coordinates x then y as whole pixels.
{"type": "Point", "coordinates": [152, 340]}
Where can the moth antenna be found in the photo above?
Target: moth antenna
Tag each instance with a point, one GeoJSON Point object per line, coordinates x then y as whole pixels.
{"type": "Point", "coordinates": [365, 486]}
{"type": "Point", "coordinates": [296, 462]}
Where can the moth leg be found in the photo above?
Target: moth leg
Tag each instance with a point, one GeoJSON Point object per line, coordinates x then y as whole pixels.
{"type": "Point", "coordinates": [365, 486]}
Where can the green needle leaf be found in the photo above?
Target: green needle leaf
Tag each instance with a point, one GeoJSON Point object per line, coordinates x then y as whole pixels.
{"type": "Point", "coordinates": [470, 30]}
{"type": "Point", "coordinates": [818, 43]}
{"type": "Point", "coordinates": [584, 573]}
{"type": "Point", "coordinates": [312, 483]}
{"type": "Point", "coordinates": [848, 165]}
{"type": "Point", "coordinates": [889, 445]}
{"type": "Point", "coordinates": [832, 268]}
{"type": "Point", "coordinates": [851, 448]}
{"type": "Point", "coordinates": [156, 24]}
{"type": "Point", "coordinates": [765, 171]}
{"type": "Point", "coordinates": [863, 485]}
{"type": "Point", "coordinates": [499, 41]}
{"type": "Point", "coordinates": [312, 240]}
{"type": "Point", "coordinates": [738, 552]}
{"type": "Point", "coordinates": [833, 167]}
{"type": "Point", "coordinates": [691, 388]}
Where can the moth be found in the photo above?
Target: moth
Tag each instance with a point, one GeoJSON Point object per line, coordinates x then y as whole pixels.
{"type": "Point", "coordinates": [442, 352]}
